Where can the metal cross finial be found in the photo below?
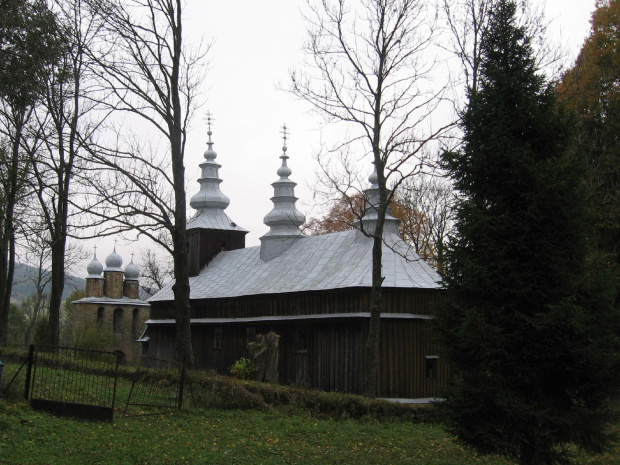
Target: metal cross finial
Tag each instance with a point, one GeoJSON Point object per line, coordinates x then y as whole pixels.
{"type": "Point", "coordinates": [209, 117]}
{"type": "Point", "coordinates": [284, 133]}
{"type": "Point", "coordinates": [132, 257]}
{"type": "Point", "coordinates": [95, 250]}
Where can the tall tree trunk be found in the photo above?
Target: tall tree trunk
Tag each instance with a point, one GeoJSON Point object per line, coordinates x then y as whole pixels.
{"type": "Point", "coordinates": [8, 269]}
{"type": "Point", "coordinates": [374, 325]}
{"type": "Point", "coordinates": [181, 288]}
{"type": "Point", "coordinates": [181, 262]}
{"type": "Point", "coordinates": [7, 240]}
{"type": "Point", "coordinates": [58, 282]}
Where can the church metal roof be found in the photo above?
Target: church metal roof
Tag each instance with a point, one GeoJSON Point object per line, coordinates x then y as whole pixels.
{"type": "Point", "coordinates": [213, 218]}
{"type": "Point", "coordinates": [329, 261]}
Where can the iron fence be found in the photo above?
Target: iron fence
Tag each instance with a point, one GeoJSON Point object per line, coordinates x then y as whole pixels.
{"type": "Point", "coordinates": [157, 383]}
{"type": "Point", "coordinates": [73, 382]}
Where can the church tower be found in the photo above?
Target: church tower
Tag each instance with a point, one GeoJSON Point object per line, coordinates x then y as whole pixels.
{"type": "Point", "coordinates": [368, 224]}
{"type": "Point", "coordinates": [284, 220]}
{"type": "Point", "coordinates": [210, 231]}
{"type": "Point", "coordinates": [94, 280]}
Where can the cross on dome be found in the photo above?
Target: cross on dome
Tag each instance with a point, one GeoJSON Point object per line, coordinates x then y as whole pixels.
{"type": "Point", "coordinates": [285, 134]}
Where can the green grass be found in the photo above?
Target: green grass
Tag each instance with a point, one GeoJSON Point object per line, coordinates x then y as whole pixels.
{"type": "Point", "coordinates": [216, 436]}
{"type": "Point", "coordinates": [294, 427]}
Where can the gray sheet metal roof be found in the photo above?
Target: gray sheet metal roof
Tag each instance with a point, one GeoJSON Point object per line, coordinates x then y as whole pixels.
{"type": "Point", "coordinates": [213, 218]}
{"type": "Point", "coordinates": [110, 301]}
{"type": "Point", "coordinates": [329, 261]}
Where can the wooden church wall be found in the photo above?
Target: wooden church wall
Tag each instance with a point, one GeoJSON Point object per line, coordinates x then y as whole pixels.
{"type": "Point", "coordinates": [407, 347]}
{"type": "Point", "coordinates": [303, 303]}
{"type": "Point", "coordinates": [326, 355]}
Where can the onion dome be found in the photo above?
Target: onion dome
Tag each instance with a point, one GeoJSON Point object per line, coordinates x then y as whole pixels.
{"type": "Point", "coordinates": [132, 272]}
{"type": "Point", "coordinates": [209, 195]}
{"type": "Point", "coordinates": [284, 220]}
{"type": "Point", "coordinates": [368, 223]}
{"type": "Point", "coordinates": [210, 202]}
{"type": "Point", "coordinates": [94, 268]}
{"type": "Point", "coordinates": [113, 262]}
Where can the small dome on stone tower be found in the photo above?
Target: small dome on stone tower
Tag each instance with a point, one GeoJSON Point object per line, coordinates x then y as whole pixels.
{"type": "Point", "coordinates": [113, 262]}
{"type": "Point", "coordinates": [94, 268]}
{"type": "Point", "coordinates": [132, 272]}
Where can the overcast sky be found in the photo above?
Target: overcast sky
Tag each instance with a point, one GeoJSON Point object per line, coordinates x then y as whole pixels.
{"type": "Point", "coordinates": [255, 43]}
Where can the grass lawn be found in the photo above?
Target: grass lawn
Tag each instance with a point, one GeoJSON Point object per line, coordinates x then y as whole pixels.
{"type": "Point", "coordinates": [223, 436]}
{"type": "Point", "coordinates": [271, 435]}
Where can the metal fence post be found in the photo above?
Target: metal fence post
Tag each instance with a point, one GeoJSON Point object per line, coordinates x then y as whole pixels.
{"type": "Point", "coordinates": [29, 372]}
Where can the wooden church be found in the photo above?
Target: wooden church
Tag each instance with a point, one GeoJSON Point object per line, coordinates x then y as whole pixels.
{"type": "Point", "coordinates": [314, 292]}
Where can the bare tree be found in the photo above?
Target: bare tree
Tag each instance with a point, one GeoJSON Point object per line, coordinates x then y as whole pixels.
{"type": "Point", "coordinates": [366, 70]}
{"type": "Point", "coordinates": [154, 77]}
{"type": "Point", "coordinates": [66, 123]}
{"type": "Point", "coordinates": [467, 21]}
{"type": "Point", "coordinates": [430, 200]}
{"type": "Point", "coordinates": [13, 171]}
{"type": "Point", "coordinates": [28, 42]}
{"type": "Point", "coordinates": [155, 271]}
{"type": "Point", "coordinates": [422, 204]}
{"type": "Point", "coordinates": [38, 251]}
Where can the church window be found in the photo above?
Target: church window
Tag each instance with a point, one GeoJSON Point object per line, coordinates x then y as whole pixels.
{"type": "Point", "coordinates": [431, 366]}
{"type": "Point", "coordinates": [135, 322]}
{"type": "Point", "coordinates": [118, 321]}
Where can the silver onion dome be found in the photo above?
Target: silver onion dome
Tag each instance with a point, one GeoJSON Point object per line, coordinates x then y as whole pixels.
{"type": "Point", "coordinates": [132, 272]}
{"type": "Point", "coordinates": [114, 262]}
{"type": "Point", "coordinates": [94, 268]}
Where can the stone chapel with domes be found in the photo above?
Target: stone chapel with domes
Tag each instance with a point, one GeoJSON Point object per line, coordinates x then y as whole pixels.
{"type": "Point", "coordinates": [112, 305]}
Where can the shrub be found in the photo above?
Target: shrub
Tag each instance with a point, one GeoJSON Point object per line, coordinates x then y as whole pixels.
{"type": "Point", "coordinates": [244, 368]}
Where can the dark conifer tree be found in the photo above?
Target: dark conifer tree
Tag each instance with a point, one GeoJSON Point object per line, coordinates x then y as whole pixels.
{"type": "Point", "coordinates": [531, 342]}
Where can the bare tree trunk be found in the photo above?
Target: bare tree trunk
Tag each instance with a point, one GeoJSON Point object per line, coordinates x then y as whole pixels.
{"type": "Point", "coordinates": [8, 269]}
{"type": "Point", "coordinates": [374, 325]}
{"type": "Point", "coordinates": [7, 241]}
{"type": "Point", "coordinates": [151, 74]}
{"type": "Point", "coordinates": [181, 268]}
{"type": "Point", "coordinates": [58, 285]}
{"type": "Point", "coordinates": [365, 71]}
{"type": "Point", "coordinates": [181, 263]}
{"type": "Point", "coordinates": [36, 308]}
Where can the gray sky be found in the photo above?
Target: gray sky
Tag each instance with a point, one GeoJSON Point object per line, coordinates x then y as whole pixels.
{"type": "Point", "coordinates": [255, 44]}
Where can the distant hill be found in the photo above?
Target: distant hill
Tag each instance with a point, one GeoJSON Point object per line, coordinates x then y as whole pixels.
{"type": "Point", "coordinates": [23, 286]}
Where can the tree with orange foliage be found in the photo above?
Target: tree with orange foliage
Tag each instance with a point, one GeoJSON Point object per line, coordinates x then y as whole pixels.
{"type": "Point", "coordinates": [592, 89]}
{"type": "Point", "coordinates": [421, 204]}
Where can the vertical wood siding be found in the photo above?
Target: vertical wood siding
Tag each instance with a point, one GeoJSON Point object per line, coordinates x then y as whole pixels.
{"type": "Point", "coordinates": [323, 354]}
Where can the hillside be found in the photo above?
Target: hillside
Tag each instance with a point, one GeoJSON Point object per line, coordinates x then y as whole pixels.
{"type": "Point", "coordinates": [23, 286]}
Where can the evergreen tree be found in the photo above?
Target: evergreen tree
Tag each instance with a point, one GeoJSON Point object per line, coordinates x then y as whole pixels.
{"type": "Point", "coordinates": [531, 340]}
